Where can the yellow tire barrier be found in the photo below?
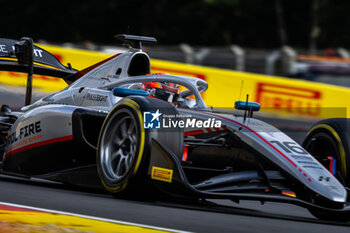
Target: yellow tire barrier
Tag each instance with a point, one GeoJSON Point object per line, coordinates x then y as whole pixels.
{"type": "Point", "coordinates": [276, 94]}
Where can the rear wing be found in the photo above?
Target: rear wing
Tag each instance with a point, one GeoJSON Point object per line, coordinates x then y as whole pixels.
{"type": "Point", "coordinates": [12, 54]}
{"type": "Point", "coordinates": [23, 56]}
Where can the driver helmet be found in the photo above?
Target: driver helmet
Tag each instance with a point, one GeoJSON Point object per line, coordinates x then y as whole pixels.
{"type": "Point", "coordinates": [162, 90]}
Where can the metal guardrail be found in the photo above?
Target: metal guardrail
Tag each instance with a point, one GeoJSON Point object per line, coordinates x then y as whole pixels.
{"type": "Point", "coordinates": [280, 62]}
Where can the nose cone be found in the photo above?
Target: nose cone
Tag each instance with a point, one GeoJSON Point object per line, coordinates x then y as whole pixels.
{"type": "Point", "coordinates": [325, 184]}
{"type": "Point", "coordinates": [337, 194]}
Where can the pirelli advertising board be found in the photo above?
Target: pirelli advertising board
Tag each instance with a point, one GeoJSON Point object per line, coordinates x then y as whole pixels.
{"type": "Point", "coordinates": [275, 94]}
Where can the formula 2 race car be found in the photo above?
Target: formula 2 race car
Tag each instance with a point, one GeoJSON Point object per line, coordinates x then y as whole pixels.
{"type": "Point", "coordinates": [119, 127]}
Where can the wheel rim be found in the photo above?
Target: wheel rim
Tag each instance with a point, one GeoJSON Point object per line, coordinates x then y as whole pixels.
{"type": "Point", "coordinates": [119, 145]}
{"type": "Point", "coordinates": [325, 150]}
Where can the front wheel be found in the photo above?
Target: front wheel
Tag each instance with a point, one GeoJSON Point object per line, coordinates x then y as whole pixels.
{"type": "Point", "coordinates": [329, 142]}
{"type": "Point", "coordinates": [121, 148]}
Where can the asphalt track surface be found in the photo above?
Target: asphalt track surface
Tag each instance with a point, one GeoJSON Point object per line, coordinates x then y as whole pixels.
{"type": "Point", "coordinates": [225, 216]}
{"type": "Point", "coordinates": [246, 217]}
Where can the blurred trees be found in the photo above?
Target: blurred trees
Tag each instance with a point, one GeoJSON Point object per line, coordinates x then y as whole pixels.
{"type": "Point", "coordinates": [251, 23]}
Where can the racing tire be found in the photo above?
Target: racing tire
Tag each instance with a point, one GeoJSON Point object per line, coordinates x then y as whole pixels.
{"type": "Point", "coordinates": [123, 146]}
{"type": "Point", "coordinates": [329, 142]}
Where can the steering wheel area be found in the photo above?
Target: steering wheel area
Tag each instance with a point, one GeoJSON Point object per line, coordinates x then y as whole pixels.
{"type": "Point", "coordinates": [188, 97]}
